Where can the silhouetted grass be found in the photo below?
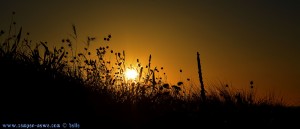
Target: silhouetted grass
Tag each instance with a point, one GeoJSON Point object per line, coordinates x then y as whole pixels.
{"type": "Point", "coordinates": [43, 85]}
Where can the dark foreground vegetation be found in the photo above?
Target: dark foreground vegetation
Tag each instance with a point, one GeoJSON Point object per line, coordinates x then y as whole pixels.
{"type": "Point", "coordinates": [60, 85]}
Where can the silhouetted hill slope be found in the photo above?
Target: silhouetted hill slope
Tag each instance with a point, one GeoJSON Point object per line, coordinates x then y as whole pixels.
{"type": "Point", "coordinates": [32, 95]}
{"type": "Point", "coordinates": [25, 90]}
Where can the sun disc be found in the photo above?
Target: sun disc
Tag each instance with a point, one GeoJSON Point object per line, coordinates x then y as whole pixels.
{"type": "Point", "coordinates": [131, 74]}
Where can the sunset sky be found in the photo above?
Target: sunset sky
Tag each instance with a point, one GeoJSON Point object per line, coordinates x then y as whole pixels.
{"type": "Point", "coordinates": [237, 41]}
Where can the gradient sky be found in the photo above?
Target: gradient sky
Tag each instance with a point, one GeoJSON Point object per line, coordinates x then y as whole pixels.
{"type": "Point", "coordinates": [238, 41]}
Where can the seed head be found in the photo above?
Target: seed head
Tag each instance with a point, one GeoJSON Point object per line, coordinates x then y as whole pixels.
{"type": "Point", "coordinates": [179, 83]}
{"type": "Point", "coordinates": [251, 82]}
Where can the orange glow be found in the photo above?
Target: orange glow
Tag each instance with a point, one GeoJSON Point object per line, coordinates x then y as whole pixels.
{"type": "Point", "coordinates": [237, 42]}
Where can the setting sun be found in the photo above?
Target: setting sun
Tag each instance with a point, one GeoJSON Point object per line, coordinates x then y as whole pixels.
{"type": "Point", "coordinates": [131, 74]}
